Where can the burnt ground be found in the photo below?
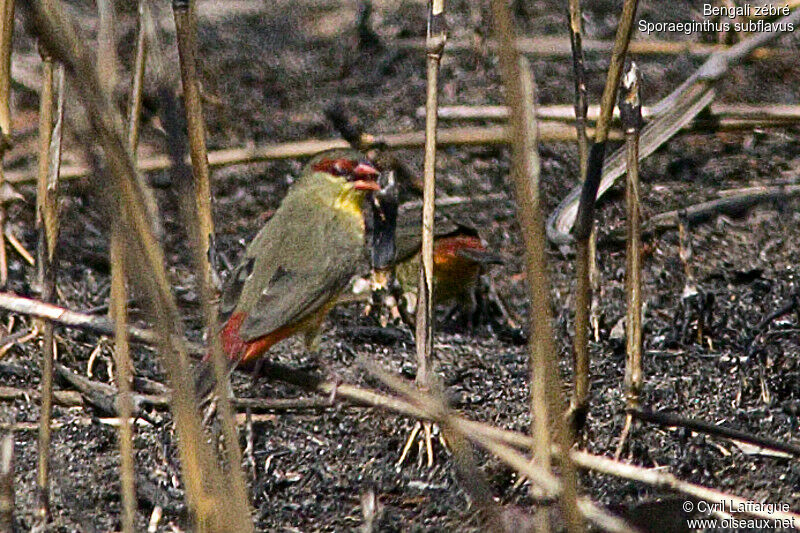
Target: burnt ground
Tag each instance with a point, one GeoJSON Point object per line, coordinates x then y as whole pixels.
{"type": "Point", "coordinates": [273, 70]}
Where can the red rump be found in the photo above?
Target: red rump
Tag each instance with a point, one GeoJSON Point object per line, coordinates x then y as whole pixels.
{"type": "Point", "coordinates": [243, 353]}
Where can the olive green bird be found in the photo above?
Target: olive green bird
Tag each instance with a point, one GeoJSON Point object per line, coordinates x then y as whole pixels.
{"type": "Point", "coordinates": [295, 268]}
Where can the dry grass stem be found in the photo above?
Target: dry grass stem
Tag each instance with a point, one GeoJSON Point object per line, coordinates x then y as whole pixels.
{"type": "Point", "coordinates": [525, 174]}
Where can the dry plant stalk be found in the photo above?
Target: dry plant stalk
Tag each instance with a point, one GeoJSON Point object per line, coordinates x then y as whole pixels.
{"type": "Point", "coordinates": [186, 29]}
{"type": "Point", "coordinates": [47, 225]}
{"type": "Point", "coordinates": [130, 202]}
{"type": "Point", "coordinates": [434, 47]}
{"type": "Point", "coordinates": [545, 388]}
{"type": "Point", "coordinates": [584, 225]}
{"type": "Point", "coordinates": [719, 117]}
{"type": "Point", "coordinates": [118, 307]}
{"type": "Point", "coordinates": [580, 360]}
{"type": "Point", "coordinates": [631, 111]}
{"type": "Point", "coordinates": [186, 190]}
{"type": "Point", "coordinates": [191, 212]}
{"type": "Point", "coordinates": [6, 33]}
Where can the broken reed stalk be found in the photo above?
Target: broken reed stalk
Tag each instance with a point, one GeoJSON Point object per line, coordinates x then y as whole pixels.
{"type": "Point", "coordinates": [581, 103]}
{"type": "Point", "coordinates": [584, 225]}
{"type": "Point", "coordinates": [118, 306]}
{"type": "Point", "coordinates": [6, 34]}
{"type": "Point", "coordinates": [525, 174]}
{"type": "Point", "coordinates": [130, 202]}
{"type": "Point", "coordinates": [580, 356]}
{"type": "Point", "coordinates": [434, 46]}
{"type": "Point", "coordinates": [186, 30]}
{"type": "Point", "coordinates": [631, 111]}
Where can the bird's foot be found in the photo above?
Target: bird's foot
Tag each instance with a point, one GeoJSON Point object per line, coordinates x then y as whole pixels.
{"type": "Point", "coordinates": [422, 434]}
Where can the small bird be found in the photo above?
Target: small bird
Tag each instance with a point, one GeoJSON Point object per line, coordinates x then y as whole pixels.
{"type": "Point", "coordinates": [459, 258]}
{"type": "Point", "coordinates": [294, 269]}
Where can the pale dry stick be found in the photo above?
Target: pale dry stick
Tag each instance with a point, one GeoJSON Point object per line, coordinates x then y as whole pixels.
{"type": "Point", "coordinates": [659, 479]}
{"type": "Point", "coordinates": [546, 403]}
{"type": "Point", "coordinates": [126, 193]}
{"type": "Point", "coordinates": [584, 226]}
{"type": "Point", "coordinates": [74, 319]}
{"type": "Point", "coordinates": [549, 131]}
{"type": "Point", "coordinates": [551, 46]}
{"type": "Point", "coordinates": [192, 213]}
{"type": "Point", "coordinates": [7, 484]}
{"type": "Point", "coordinates": [6, 33]}
{"type": "Point", "coordinates": [186, 30]}
{"type": "Point", "coordinates": [435, 41]}
{"type": "Point", "coordinates": [631, 110]}
{"type": "Point", "coordinates": [118, 306]}
{"type": "Point", "coordinates": [724, 115]}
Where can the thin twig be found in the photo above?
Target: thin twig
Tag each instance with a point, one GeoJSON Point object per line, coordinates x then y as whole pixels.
{"type": "Point", "coordinates": [701, 426]}
{"type": "Point", "coordinates": [553, 130]}
{"type": "Point", "coordinates": [580, 354]}
{"type": "Point", "coordinates": [725, 116]}
{"type": "Point", "coordinates": [546, 402]}
{"type": "Point", "coordinates": [435, 41]}
{"type": "Point", "coordinates": [631, 107]}
{"type": "Point", "coordinates": [735, 204]}
{"type": "Point", "coordinates": [74, 319]}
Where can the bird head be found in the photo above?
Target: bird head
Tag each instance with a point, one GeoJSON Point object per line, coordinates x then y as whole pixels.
{"type": "Point", "coordinates": [345, 167]}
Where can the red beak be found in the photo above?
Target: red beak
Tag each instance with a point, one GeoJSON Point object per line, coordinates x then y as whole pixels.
{"type": "Point", "coordinates": [365, 185]}
{"type": "Point", "coordinates": [365, 175]}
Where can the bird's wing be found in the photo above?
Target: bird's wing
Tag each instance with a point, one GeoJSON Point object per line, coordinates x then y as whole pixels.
{"type": "Point", "coordinates": [297, 263]}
